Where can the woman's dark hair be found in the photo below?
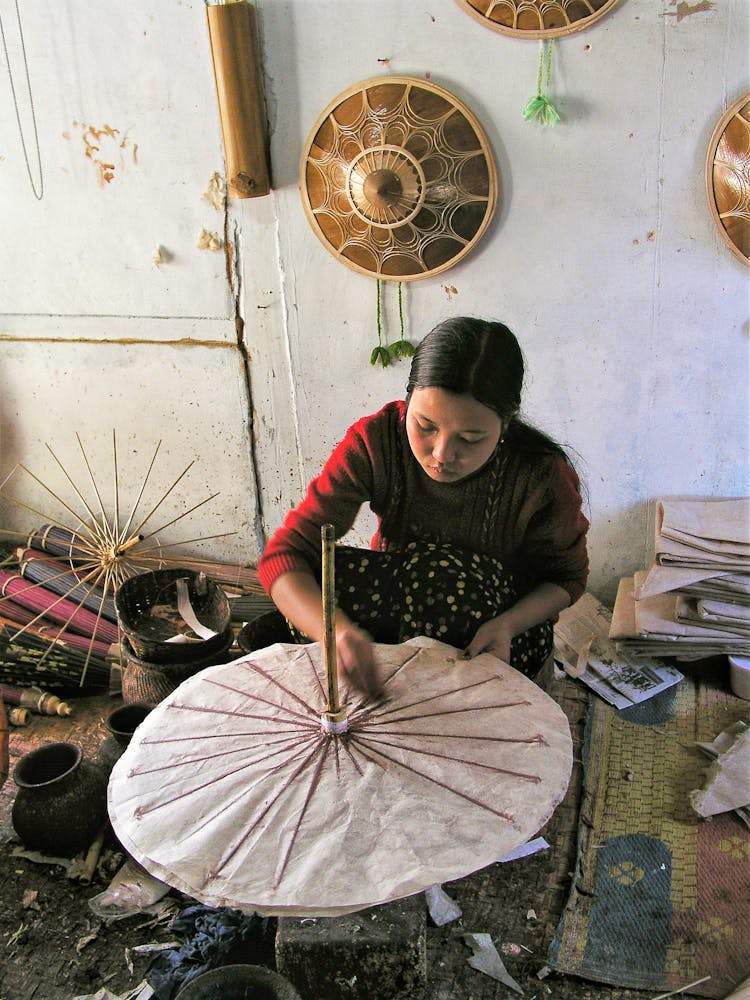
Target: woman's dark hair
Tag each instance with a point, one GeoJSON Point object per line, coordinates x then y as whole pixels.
{"type": "Point", "coordinates": [478, 358]}
{"type": "Point", "coordinates": [472, 357]}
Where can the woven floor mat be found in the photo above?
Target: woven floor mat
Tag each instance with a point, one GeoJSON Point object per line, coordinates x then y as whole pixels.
{"type": "Point", "coordinates": [661, 896]}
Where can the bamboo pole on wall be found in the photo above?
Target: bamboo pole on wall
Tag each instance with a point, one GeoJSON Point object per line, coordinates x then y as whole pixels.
{"type": "Point", "coordinates": [232, 29]}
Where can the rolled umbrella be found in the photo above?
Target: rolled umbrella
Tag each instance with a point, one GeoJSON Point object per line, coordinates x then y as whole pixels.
{"type": "Point", "coordinates": [37, 598]}
{"type": "Point", "coordinates": [59, 577]}
{"type": "Point", "coordinates": [22, 618]}
{"type": "Point", "coordinates": [27, 659]}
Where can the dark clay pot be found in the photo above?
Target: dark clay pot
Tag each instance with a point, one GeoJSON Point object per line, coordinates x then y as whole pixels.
{"type": "Point", "coordinates": [121, 723]}
{"type": "Point", "coordinates": [61, 802]}
{"type": "Point", "coordinates": [264, 631]}
{"type": "Point", "coordinates": [239, 982]}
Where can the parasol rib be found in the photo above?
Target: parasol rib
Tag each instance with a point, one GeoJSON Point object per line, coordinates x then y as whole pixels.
{"type": "Point", "coordinates": [435, 781]}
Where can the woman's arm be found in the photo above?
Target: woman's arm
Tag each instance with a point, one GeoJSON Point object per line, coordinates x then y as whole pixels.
{"type": "Point", "coordinates": [540, 604]}
{"type": "Point", "coordinates": [299, 598]}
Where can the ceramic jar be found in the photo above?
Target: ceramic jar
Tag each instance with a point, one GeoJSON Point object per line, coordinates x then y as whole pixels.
{"type": "Point", "coordinates": [121, 723]}
{"type": "Point", "coordinates": [236, 982]}
{"type": "Point", "coordinates": [61, 802]}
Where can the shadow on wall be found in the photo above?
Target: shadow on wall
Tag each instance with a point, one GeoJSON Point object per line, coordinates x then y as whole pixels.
{"type": "Point", "coordinates": [618, 546]}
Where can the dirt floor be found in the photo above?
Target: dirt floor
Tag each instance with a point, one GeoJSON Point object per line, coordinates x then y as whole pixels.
{"type": "Point", "coordinates": [53, 947]}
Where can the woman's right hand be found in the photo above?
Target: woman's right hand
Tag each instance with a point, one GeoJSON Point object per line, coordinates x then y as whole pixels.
{"type": "Point", "coordinates": [356, 659]}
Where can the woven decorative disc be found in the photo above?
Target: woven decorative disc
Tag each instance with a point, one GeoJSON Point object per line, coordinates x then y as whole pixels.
{"type": "Point", "coordinates": [537, 18]}
{"type": "Point", "coordinates": [397, 179]}
{"type": "Point", "coordinates": [728, 177]}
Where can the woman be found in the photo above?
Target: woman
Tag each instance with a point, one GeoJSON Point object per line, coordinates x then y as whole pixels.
{"type": "Point", "coordinates": [481, 540]}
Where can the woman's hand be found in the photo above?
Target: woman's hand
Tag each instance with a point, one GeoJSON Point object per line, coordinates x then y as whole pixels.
{"type": "Point", "coordinates": [493, 637]}
{"type": "Point", "coordinates": [544, 602]}
{"type": "Point", "coordinates": [356, 659]}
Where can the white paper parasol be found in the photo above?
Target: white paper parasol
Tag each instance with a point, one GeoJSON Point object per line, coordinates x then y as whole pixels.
{"type": "Point", "coordinates": [232, 792]}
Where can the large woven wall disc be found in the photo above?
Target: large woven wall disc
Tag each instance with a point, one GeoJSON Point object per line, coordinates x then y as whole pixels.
{"type": "Point", "coordinates": [537, 18]}
{"type": "Point", "coordinates": [397, 178]}
{"type": "Point", "coordinates": [728, 177]}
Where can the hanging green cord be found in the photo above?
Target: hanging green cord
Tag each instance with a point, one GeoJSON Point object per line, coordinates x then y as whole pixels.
{"type": "Point", "coordinates": [402, 348]}
{"type": "Point", "coordinates": [540, 108]}
{"type": "Point", "coordinates": [380, 353]}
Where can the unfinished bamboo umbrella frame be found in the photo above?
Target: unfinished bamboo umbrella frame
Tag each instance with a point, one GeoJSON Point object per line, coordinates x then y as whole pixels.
{"type": "Point", "coordinates": [537, 18]}
{"type": "Point", "coordinates": [282, 799]}
{"type": "Point", "coordinates": [728, 177]}
{"type": "Point", "coordinates": [397, 178]}
{"type": "Point", "coordinates": [91, 549]}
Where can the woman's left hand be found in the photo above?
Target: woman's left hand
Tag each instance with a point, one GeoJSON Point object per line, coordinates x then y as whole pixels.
{"type": "Point", "coordinates": [492, 637]}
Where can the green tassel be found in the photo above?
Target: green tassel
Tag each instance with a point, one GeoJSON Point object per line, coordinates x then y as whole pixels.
{"type": "Point", "coordinates": [379, 353]}
{"type": "Point", "coordinates": [540, 108]}
{"type": "Point", "coordinates": [402, 348]}
{"type": "Point", "coordinates": [382, 354]}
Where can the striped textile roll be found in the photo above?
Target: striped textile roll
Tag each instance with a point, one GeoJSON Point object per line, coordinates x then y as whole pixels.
{"type": "Point", "coordinates": [58, 609]}
{"type": "Point", "coordinates": [61, 579]}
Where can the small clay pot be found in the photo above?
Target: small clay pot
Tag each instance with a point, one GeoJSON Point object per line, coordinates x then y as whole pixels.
{"type": "Point", "coordinates": [122, 722]}
{"type": "Point", "coordinates": [61, 802]}
{"type": "Point", "coordinates": [238, 982]}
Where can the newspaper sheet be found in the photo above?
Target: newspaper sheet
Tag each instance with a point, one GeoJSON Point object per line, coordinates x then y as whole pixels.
{"type": "Point", "coordinates": [583, 647]}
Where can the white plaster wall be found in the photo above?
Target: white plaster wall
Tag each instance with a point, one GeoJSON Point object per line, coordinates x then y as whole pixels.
{"type": "Point", "coordinates": [602, 255]}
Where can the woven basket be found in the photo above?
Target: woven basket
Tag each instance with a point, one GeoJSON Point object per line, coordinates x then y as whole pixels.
{"type": "Point", "coordinates": [147, 611]}
{"type": "Point", "coordinates": [264, 631]}
{"type": "Point", "coordinates": [148, 682]}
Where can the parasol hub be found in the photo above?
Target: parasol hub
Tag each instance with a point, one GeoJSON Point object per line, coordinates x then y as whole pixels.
{"type": "Point", "coordinates": [382, 188]}
{"type": "Point", "coordinates": [335, 723]}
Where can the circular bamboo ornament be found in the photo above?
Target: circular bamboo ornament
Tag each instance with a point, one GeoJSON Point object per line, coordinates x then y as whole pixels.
{"type": "Point", "coordinates": [728, 177]}
{"type": "Point", "coordinates": [397, 179]}
{"type": "Point", "coordinates": [537, 18]}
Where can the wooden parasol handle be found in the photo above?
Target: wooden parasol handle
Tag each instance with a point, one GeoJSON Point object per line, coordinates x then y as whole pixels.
{"type": "Point", "coordinates": [334, 713]}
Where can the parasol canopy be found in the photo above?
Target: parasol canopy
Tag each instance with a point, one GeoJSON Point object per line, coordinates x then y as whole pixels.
{"type": "Point", "coordinates": [397, 178]}
{"type": "Point", "coordinates": [233, 792]}
{"type": "Point", "coordinates": [728, 177]}
{"type": "Point", "coordinates": [537, 18]}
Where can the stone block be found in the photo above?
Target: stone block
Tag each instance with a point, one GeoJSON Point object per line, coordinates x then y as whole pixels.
{"type": "Point", "coordinates": [378, 952]}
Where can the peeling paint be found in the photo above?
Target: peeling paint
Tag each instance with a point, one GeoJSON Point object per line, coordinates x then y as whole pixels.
{"type": "Point", "coordinates": [208, 241]}
{"type": "Point", "coordinates": [216, 192]}
{"type": "Point", "coordinates": [162, 256]}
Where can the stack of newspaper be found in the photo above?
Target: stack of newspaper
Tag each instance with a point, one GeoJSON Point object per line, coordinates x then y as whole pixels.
{"type": "Point", "coordinates": [694, 599]}
{"type": "Point", "coordinates": [585, 651]}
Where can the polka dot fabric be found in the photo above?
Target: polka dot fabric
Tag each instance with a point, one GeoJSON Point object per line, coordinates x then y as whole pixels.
{"type": "Point", "coordinates": [435, 590]}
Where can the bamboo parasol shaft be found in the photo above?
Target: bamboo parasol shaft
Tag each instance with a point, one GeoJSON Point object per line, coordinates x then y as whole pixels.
{"type": "Point", "coordinates": [334, 713]}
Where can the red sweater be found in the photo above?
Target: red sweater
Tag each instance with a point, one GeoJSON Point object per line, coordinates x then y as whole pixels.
{"type": "Point", "coordinates": [523, 510]}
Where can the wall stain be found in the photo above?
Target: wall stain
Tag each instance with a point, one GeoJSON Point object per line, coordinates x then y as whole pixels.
{"type": "Point", "coordinates": [685, 9]}
{"type": "Point", "coordinates": [122, 341]}
{"type": "Point", "coordinates": [100, 144]}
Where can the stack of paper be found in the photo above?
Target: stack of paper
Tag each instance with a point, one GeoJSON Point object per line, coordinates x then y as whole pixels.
{"type": "Point", "coordinates": [694, 599]}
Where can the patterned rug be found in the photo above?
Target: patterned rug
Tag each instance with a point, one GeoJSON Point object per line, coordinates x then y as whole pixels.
{"type": "Point", "coordinates": [661, 897]}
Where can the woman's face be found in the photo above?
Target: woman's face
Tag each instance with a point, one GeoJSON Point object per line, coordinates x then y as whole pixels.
{"type": "Point", "coordinates": [451, 436]}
